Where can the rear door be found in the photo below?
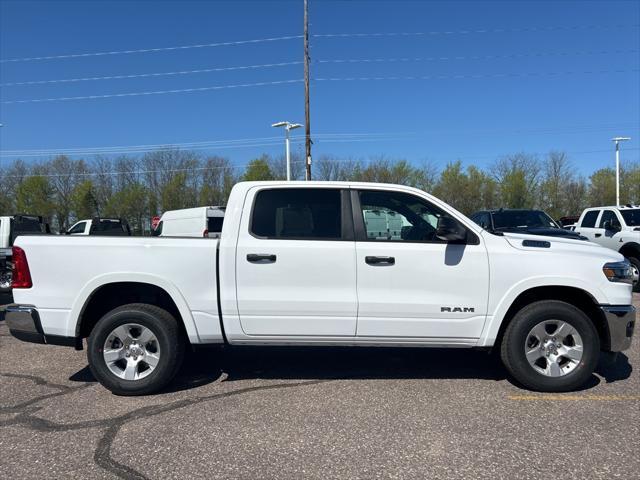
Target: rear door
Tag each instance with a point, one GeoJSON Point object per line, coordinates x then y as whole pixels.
{"type": "Point", "coordinates": [413, 285]}
{"type": "Point", "coordinates": [589, 226]}
{"type": "Point", "coordinates": [295, 263]}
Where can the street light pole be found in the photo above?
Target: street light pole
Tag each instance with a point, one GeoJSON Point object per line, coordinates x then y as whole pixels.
{"type": "Point", "coordinates": [287, 147]}
{"type": "Point", "coordinates": [617, 141]}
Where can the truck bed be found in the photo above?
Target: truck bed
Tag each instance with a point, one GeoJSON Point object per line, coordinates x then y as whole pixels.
{"type": "Point", "coordinates": [65, 270]}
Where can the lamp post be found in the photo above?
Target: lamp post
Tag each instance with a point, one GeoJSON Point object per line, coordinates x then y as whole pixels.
{"type": "Point", "coordinates": [287, 127]}
{"type": "Point", "coordinates": [617, 141]}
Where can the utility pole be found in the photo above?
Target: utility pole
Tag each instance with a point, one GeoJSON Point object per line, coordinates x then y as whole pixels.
{"type": "Point", "coordinates": [617, 141]}
{"type": "Point", "coordinates": [307, 122]}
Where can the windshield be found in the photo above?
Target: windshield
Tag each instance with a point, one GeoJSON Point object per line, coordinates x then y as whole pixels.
{"type": "Point", "coordinates": [631, 217]}
{"type": "Point", "coordinates": [508, 219]}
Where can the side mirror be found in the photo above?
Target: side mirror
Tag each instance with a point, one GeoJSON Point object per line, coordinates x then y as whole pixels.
{"type": "Point", "coordinates": [450, 230]}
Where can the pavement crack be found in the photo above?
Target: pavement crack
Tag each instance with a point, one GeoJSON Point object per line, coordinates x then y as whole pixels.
{"type": "Point", "coordinates": [62, 390]}
{"type": "Point", "coordinates": [102, 454]}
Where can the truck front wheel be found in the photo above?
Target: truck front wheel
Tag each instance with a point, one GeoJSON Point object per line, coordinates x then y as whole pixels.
{"type": "Point", "coordinates": [550, 346]}
{"type": "Point", "coordinates": [635, 264]}
{"type": "Point", "coordinates": [135, 349]}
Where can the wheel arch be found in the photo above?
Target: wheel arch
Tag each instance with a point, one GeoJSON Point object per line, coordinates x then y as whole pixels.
{"type": "Point", "coordinates": [569, 290]}
{"type": "Point", "coordinates": [105, 293]}
{"type": "Point", "coordinates": [630, 249]}
{"type": "Point", "coordinates": [579, 298]}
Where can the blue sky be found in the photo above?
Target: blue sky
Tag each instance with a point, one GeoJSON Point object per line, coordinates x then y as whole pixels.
{"type": "Point", "coordinates": [465, 109]}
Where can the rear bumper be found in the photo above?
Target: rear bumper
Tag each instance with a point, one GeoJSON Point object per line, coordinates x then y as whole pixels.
{"type": "Point", "coordinates": [621, 322]}
{"type": "Point", "coordinates": [24, 324]}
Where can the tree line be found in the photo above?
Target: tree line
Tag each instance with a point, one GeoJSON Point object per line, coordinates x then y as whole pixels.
{"type": "Point", "coordinates": [65, 190]}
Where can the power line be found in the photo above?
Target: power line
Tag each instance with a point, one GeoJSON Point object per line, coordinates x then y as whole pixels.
{"type": "Point", "coordinates": [321, 79]}
{"type": "Point", "coordinates": [462, 76]}
{"type": "Point", "coordinates": [251, 141]}
{"type": "Point", "coordinates": [259, 141]}
{"type": "Point", "coordinates": [475, 31]}
{"type": "Point", "coordinates": [156, 92]}
{"type": "Point", "coordinates": [160, 74]}
{"type": "Point", "coordinates": [337, 61]}
{"type": "Point", "coordinates": [152, 50]}
{"type": "Point", "coordinates": [474, 57]}
{"type": "Point", "coordinates": [240, 143]}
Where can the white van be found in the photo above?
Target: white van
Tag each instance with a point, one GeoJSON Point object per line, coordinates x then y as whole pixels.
{"type": "Point", "coordinates": [191, 222]}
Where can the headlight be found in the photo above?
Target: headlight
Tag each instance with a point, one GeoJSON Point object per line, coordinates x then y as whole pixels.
{"type": "Point", "coordinates": [620, 272]}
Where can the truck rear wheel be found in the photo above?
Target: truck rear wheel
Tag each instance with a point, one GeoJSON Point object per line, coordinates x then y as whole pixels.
{"type": "Point", "coordinates": [135, 349]}
{"type": "Point", "coordinates": [550, 346]}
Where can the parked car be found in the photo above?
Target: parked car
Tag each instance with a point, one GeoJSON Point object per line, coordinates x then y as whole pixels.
{"type": "Point", "coordinates": [10, 228]}
{"type": "Point", "coordinates": [568, 220]}
{"type": "Point", "coordinates": [296, 265]}
{"type": "Point", "coordinates": [534, 222]}
{"type": "Point", "coordinates": [100, 226]}
{"type": "Point", "coordinates": [191, 222]}
{"type": "Point", "coordinates": [617, 228]}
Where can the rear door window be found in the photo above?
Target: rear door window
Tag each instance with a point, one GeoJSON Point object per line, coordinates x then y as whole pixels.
{"type": "Point", "coordinates": [297, 213]}
{"type": "Point", "coordinates": [589, 220]}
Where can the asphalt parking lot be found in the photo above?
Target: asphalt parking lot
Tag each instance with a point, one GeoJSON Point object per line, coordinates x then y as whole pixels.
{"type": "Point", "coordinates": [315, 413]}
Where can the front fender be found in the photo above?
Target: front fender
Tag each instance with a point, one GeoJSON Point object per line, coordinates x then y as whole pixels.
{"type": "Point", "coordinates": [502, 305]}
{"type": "Point", "coordinates": [95, 283]}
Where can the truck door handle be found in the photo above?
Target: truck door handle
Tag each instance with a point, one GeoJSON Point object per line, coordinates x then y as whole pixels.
{"type": "Point", "coordinates": [261, 258]}
{"type": "Point", "coordinates": [380, 260]}
{"type": "Point", "coordinates": [598, 235]}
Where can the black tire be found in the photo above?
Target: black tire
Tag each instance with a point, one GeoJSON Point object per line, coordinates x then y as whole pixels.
{"type": "Point", "coordinates": [513, 342]}
{"type": "Point", "coordinates": [636, 263]}
{"type": "Point", "coordinates": [169, 336]}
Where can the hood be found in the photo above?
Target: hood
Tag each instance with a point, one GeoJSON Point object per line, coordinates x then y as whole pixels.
{"type": "Point", "coordinates": [563, 245]}
{"type": "Point", "coordinates": [547, 232]}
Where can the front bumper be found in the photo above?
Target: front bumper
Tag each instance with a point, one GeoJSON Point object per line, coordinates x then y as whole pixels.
{"type": "Point", "coordinates": [24, 324]}
{"type": "Point", "coordinates": [620, 322]}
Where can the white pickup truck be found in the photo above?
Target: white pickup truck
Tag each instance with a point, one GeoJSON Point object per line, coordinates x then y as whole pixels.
{"type": "Point", "coordinates": [617, 228]}
{"type": "Point", "coordinates": [296, 265]}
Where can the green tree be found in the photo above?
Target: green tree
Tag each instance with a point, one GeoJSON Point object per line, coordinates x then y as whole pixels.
{"type": "Point", "coordinates": [176, 193]}
{"type": "Point", "coordinates": [35, 196]}
{"type": "Point", "coordinates": [217, 180]}
{"type": "Point", "coordinates": [557, 175]}
{"type": "Point", "coordinates": [630, 184]}
{"type": "Point", "coordinates": [83, 200]}
{"type": "Point", "coordinates": [602, 190]}
{"type": "Point", "coordinates": [257, 170]}
{"type": "Point", "coordinates": [517, 177]}
{"type": "Point", "coordinates": [132, 204]}
{"type": "Point", "coordinates": [452, 187]}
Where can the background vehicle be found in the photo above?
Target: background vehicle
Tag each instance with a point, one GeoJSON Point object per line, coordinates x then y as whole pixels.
{"type": "Point", "coordinates": [191, 222]}
{"type": "Point", "coordinates": [534, 222]}
{"type": "Point", "coordinates": [10, 228]}
{"type": "Point", "coordinates": [617, 228]}
{"type": "Point", "coordinates": [100, 226]}
{"type": "Point", "coordinates": [296, 264]}
{"type": "Point", "coordinates": [568, 220]}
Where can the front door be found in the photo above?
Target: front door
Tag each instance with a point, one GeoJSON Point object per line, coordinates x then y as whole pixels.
{"type": "Point", "coordinates": [295, 263]}
{"type": "Point", "coordinates": [410, 283]}
{"type": "Point", "coordinates": [610, 237]}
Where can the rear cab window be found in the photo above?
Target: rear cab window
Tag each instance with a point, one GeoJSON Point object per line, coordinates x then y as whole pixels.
{"type": "Point", "coordinates": [631, 217]}
{"type": "Point", "coordinates": [214, 224]}
{"type": "Point", "coordinates": [298, 214]}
